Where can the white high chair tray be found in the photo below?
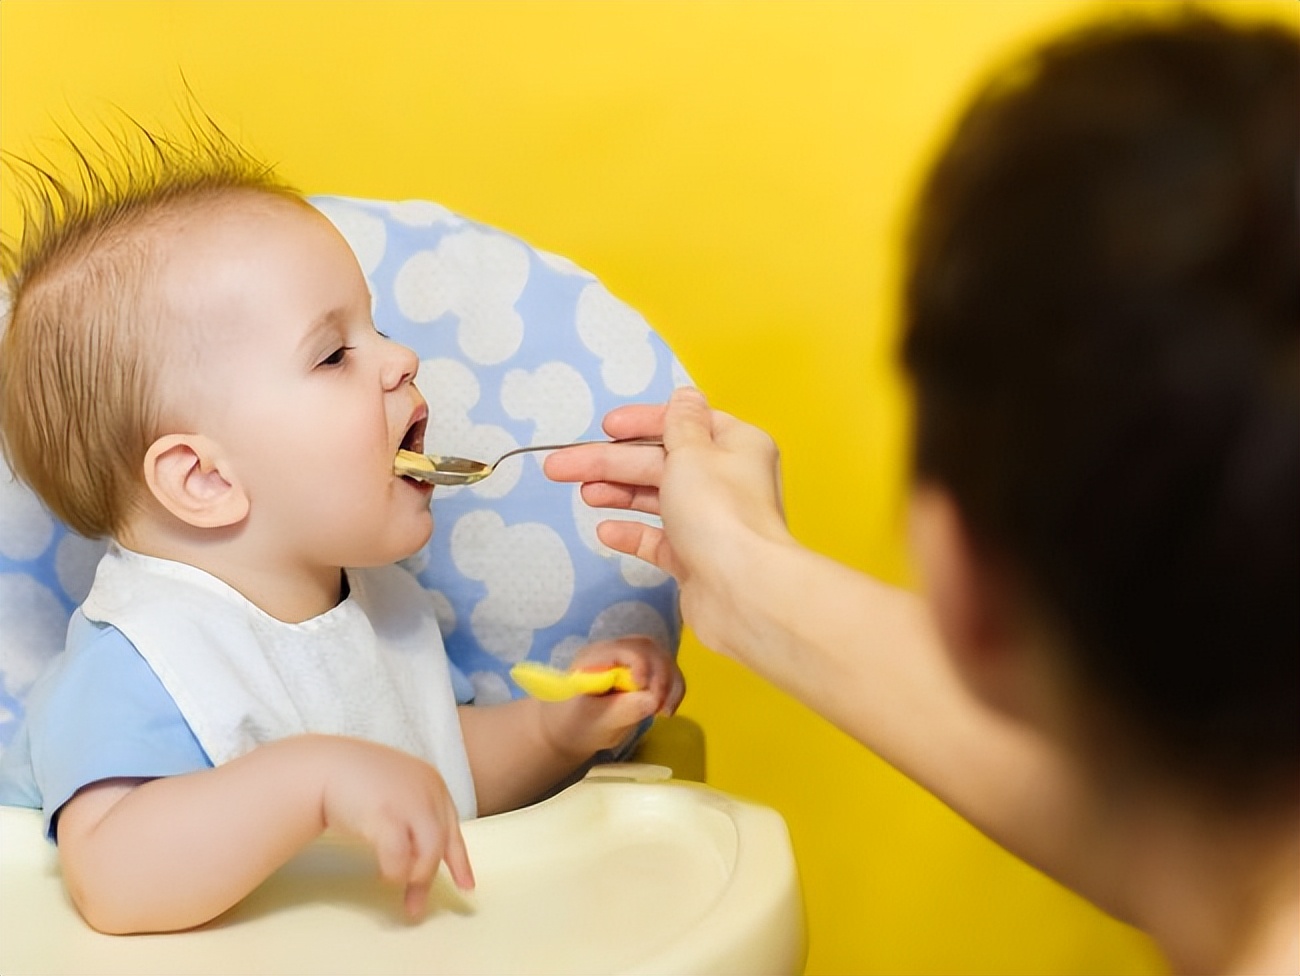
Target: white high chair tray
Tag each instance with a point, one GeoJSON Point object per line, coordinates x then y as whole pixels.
{"type": "Point", "coordinates": [609, 876]}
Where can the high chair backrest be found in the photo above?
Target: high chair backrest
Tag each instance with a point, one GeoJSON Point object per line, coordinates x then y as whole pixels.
{"type": "Point", "coordinates": [516, 347]}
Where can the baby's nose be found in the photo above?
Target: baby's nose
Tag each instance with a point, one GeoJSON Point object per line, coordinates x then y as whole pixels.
{"type": "Point", "coordinates": [400, 366]}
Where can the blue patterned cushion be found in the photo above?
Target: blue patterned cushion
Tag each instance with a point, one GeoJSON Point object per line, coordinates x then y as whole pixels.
{"type": "Point", "coordinates": [516, 347]}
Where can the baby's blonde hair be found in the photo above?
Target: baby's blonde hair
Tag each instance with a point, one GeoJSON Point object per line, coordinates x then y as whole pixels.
{"type": "Point", "coordinates": [79, 403]}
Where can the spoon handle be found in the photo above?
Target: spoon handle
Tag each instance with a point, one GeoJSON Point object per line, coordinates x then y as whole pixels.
{"type": "Point", "coordinates": [631, 441]}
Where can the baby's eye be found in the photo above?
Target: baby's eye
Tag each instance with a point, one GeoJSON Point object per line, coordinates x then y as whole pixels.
{"type": "Point", "coordinates": [336, 357]}
{"type": "Point", "coordinates": [382, 334]}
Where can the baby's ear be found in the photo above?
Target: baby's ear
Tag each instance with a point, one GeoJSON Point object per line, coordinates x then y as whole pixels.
{"type": "Point", "coordinates": [190, 477]}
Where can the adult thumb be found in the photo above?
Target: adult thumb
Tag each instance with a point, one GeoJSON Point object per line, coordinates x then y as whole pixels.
{"type": "Point", "coordinates": [688, 421]}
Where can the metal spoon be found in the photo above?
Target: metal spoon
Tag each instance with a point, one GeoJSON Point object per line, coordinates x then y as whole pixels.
{"type": "Point", "coordinates": [437, 469]}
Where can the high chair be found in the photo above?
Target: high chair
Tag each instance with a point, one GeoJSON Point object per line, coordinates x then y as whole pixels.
{"type": "Point", "coordinates": [632, 869]}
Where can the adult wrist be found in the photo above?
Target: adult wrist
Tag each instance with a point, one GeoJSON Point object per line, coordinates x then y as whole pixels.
{"type": "Point", "coordinates": [739, 604]}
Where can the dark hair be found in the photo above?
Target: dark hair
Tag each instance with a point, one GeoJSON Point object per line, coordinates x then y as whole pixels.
{"type": "Point", "coordinates": [1103, 326]}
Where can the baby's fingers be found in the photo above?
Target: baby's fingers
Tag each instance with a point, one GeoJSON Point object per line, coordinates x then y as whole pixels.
{"type": "Point", "coordinates": [395, 849]}
{"type": "Point", "coordinates": [457, 857]}
{"type": "Point", "coordinates": [625, 710]}
{"type": "Point", "coordinates": [433, 844]}
{"type": "Point", "coordinates": [676, 692]}
{"type": "Point", "coordinates": [416, 899]}
{"type": "Point", "coordinates": [427, 847]}
{"type": "Point", "coordinates": [664, 682]}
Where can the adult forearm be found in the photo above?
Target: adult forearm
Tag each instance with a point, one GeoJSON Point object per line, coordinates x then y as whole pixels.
{"type": "Point", "coordinates": [861, 653]}
{"type": "Point", "coordinates": [867, 657]}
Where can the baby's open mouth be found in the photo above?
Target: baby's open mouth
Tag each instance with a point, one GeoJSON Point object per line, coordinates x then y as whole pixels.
{"type": "Point", "coordinates": [413, 440]}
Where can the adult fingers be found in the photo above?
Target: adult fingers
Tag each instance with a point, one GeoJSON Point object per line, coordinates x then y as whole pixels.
{"type": "Point", "coordinates": [646, 542]}
{"type": "Point", "coordinates": [635, 420]}
{"type": "Point", "coordinates": [688, 421]}
{"type": "Point", "coordinates": [629, 464]}
{"type": "Point", "coordinates": [635, 498]}
{"type": "Point", "coordinates": [684, 421]}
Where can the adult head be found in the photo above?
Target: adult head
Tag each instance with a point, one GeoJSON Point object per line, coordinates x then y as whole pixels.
{"type": "Point", "coordinates": [1103, 326]}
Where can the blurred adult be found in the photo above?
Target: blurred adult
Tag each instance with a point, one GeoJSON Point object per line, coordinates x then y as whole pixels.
{"type": "Point", "coordinates": [1102, 325]}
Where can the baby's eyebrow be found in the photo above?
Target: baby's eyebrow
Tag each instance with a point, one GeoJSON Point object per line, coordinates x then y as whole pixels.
{"type": "Point", "coordinates": [333, 320]}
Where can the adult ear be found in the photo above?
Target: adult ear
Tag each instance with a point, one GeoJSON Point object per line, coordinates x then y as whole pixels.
{"type": "Point", "coordinates": [974, 602]}
{"type": "Point", "coordinates": [190, 477]}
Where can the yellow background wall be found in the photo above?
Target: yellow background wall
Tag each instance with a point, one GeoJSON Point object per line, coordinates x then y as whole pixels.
{"type": "Point", "coordinates": [737, 171]}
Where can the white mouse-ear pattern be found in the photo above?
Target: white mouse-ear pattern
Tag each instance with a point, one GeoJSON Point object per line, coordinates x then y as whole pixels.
{"type": "Point", "coordinates": [517, 347]}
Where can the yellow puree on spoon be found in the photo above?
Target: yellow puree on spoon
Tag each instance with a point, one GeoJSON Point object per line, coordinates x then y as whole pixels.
{"type": "Point", "coordinates": [409, 463]}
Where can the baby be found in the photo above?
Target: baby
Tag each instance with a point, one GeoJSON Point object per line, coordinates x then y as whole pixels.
{"type": "Point", "coordinates": [190, 369]}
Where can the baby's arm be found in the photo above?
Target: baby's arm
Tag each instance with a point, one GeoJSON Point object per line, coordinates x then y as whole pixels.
{"type": "Point", "coordinates": [165, 854]}
{"type": "Point", "coordinates": [520, 749]}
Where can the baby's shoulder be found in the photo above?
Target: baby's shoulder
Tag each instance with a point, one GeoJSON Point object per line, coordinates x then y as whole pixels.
{"type": "Point", "coordinates": [95, 656]}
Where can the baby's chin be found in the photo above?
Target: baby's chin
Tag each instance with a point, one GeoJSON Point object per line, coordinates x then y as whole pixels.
{"type": "Point", "coordinates": [416, 541]}
{"type": "Point", "coordinates": [423, 541]}
{"type": "Point", "coordinates": [408, 547]}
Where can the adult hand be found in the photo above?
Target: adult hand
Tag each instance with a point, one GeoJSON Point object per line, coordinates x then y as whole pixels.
{"type": "Point", "coordinates": [716, 486]}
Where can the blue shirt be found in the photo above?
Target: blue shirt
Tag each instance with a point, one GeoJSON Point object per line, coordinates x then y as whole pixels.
{"type": "Point", "coordinates": [99, 713]}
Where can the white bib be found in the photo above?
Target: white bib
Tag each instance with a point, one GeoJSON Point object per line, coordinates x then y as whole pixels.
{"type": "Point", "coordinates": [374, 667]}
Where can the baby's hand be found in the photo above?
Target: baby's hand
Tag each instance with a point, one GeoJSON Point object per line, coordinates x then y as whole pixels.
{"type": "Point", "coordinates": [588, 723]}
{"type": "Point", "coordinates": [401, 807]}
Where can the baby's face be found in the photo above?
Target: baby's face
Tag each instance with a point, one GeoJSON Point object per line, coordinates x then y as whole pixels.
{"type": "Point", "coordinates": [308, 403]}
